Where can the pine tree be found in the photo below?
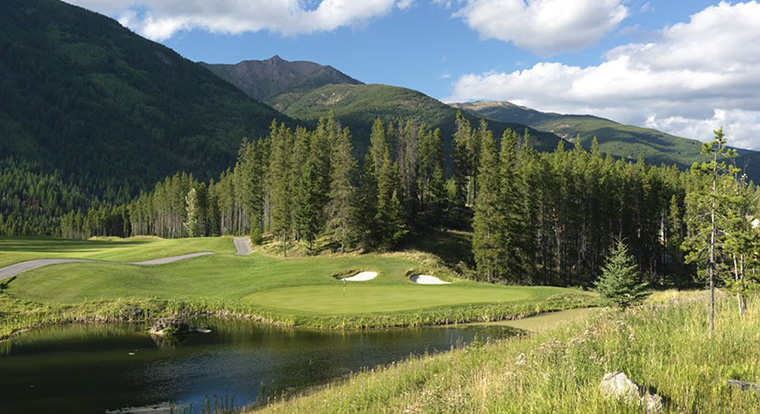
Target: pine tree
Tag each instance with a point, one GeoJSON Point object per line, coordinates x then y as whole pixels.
{"type": "Point", "coordinates": [709, 201]}
{"type": "Point", "coordinates": [490, 219]}
{"type": "Point", "coordinates": [389, 218]}
{"type": "Point", "coordinates": [191, 208]}
{"type": "Point", "coordinates": [280, 185]}
{"type": "Point", "coordinates": [342, 224]}
{"type": "Point", "coordinates": [620, 282]}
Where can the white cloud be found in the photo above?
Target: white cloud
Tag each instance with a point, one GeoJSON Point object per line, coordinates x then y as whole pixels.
{"type": "Point", "coordinates": [696, 77]}
{"type": "Point", "coordinates": [544, 26]}
{"type": "Point", "coordinates": [161, 19]}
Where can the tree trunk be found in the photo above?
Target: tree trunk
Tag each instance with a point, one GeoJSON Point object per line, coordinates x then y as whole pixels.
{"type": "Point", "coordinates": [713, 230]}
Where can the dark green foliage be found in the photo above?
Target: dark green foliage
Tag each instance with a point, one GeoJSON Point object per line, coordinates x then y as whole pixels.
{"type": "Point", "coordinates": [357, 107]}
{"type": "Point", "coordinates": [31, 201]}
{"type": "Point", "coordinates": [343, 224]}
{"type": "Point", "coordinates": [620, 282]}
{"type": "Point", "coordinates": [625, 141]}
{"type": "Point", "coordinates": [489, 233]}
{"type": "Point", "coordinates": [113, 112]}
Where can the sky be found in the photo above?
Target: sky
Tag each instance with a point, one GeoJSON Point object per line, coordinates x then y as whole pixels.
{"type": "Point", "coordinates": [685, 67]}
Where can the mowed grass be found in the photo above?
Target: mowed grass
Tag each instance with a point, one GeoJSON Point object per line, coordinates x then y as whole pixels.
{"type": "Point", "coordinates": [20, 249]}
{"type": "Point", "coordinates": [295, 291]}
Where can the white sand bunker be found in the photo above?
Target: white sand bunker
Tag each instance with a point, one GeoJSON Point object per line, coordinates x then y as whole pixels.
{"type": "Point", "coordinates": [428, 280]}
{"type": "Point", "coordinates": [361, 277]}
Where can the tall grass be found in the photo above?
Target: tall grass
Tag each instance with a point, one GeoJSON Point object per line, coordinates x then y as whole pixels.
{"type": "Point", "coordinates": [663, 347]}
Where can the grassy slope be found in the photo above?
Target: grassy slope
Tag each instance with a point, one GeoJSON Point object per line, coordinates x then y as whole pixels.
{"type": "Point", "coordinates": [19, 249]}
{"type": "Point", "coordinates": [662, 347]}
{"type": "Point", "coordinates": [292, 291]}
{"type": "Point", "coordinates": [357, 106]}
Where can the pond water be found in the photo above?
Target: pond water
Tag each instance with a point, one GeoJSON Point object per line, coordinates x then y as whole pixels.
{"type": "Point", "coordinates": [122, 369]}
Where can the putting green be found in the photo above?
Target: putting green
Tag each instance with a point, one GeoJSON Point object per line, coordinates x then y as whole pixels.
{"type": "Point", "coordinates": [335, 300]}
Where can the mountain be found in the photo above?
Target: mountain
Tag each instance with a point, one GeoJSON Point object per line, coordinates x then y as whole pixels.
{"type": "Point", "coordinates": [626, 141]}
{"type": "Point", "coordinates": [264, 79]}
{"type": "Point", "coordinates": [750, 163]}
{"type": "Point", "coordinates": [357, 106]}
{"type": "Point", "coordinates": [110, 110]}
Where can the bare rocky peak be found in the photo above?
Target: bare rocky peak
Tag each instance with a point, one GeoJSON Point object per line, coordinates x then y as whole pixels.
{"type": "Point", "coordinates": [264, 79]}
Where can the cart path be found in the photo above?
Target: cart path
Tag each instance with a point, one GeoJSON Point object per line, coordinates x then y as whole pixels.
{"type": "Point", "coordinates": [14, 269]}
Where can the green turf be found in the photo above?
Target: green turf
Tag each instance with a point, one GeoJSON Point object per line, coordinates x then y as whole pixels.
{"type": "Point", "coordinates": [19, 249]}
{"type": "Point", "coordinates": [304, 286]}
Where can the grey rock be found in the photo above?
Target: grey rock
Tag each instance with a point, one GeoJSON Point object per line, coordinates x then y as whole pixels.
{"type": "Point", "coordinates": [617, 385]}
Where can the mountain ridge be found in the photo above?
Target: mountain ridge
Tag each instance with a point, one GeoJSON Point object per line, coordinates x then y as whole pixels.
{"type": "Point", "coordinates": [655, 147]}
{"type": "Point", "coordinates": [263, 79]}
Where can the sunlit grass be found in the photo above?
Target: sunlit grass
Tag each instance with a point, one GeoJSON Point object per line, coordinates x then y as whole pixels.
{"type": "Point", "coordinates": [663, 347]}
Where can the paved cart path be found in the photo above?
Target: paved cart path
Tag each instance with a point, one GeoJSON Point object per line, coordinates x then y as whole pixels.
{"type": "Point", "coordinates": [242, 245]}
{"type": "Point", "coordinates": [14, 269]}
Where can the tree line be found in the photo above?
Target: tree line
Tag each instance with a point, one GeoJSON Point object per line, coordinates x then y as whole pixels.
{"type": "Point", "coordinates": [537, 218]}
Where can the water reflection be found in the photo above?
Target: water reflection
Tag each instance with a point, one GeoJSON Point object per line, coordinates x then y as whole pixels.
{"type": "Point", "coordinates": [97, 368]}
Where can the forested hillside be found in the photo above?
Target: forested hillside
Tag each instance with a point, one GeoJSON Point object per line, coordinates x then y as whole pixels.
{"type": "Point", "coordinates": [112, 111]}
{"type": "Point", "coordinates": [32, 201]}
{"type": "Point", "coordinates": [627, 141]}
{"type": "Point", "coordinates": [357, 106]}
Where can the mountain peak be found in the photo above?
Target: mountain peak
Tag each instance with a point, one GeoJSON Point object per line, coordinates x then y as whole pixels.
{"type": "Point", "coordinates": [265, 79]}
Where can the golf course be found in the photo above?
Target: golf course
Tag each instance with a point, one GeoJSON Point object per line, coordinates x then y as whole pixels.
{"type": "Point", "coordinates": [293, 291]}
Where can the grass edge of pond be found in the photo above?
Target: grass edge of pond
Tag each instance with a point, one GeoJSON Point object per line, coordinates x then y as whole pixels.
{"type": "Point", "coordinates": [18, 315]}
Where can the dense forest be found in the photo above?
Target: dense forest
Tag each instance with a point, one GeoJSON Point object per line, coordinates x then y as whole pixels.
{"type": "Point", "coordinates": [537, 218]}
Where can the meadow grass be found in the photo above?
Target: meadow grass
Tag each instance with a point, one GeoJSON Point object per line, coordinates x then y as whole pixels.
{"type": "Point", "coordinates": [664, 347]}
{"type": "Point", "coordinates": [292, 291]}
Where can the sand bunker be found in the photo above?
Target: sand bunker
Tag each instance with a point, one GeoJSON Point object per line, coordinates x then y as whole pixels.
{"type": "Point", "coordinates": [428, 280]}
{"type": "Point", "coordinates": [361, 277]}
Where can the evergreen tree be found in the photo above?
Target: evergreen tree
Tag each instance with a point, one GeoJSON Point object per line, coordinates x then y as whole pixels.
{"type": "Point", "coordinates": [709, 201]}
{"type": "Point", "coordinates": [389, 219]}
{"type": "Point", "coordinates": [490, 219]}
{"type": "Point", "coordinates": [620, 283]}
{"type": "Point", "coordinates": [342, 224]}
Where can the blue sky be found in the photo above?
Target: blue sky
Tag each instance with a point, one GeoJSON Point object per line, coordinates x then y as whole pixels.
{"type": "Point", "coordinates": [648, 63]}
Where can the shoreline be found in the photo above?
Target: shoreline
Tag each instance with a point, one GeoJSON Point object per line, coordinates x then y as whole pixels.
{"type": "Point", "coordinates": [149, 310]}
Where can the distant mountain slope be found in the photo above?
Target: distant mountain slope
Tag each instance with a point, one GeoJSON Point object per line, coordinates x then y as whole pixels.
{"type": "Point", "coordinates": [357, 106]}
{"type": "Point", "coordinates": [81, 94]}
{"type": "Point", "coordinates": [263, 79]}
{"type": "Point", "coordinates": [654, 146]}
{"type": "Point", "coordinates": [750, 163]}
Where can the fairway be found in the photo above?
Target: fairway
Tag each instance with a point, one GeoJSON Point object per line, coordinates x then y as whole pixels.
{"type": "Point", "coordinates": [20, 249]}
{"type": "Point", "coordinates": [294, 286]}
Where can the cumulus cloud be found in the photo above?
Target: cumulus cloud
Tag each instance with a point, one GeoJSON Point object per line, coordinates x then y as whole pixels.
{"type": "Point", "coordinates": [161, 19]}
{"type": "Point", "coordinates": [695, 77]}
{"type": "Point", "coordinates": [544, 26]}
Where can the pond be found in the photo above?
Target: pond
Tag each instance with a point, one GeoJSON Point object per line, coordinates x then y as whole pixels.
{"type": "Point", "coordinates": [122, 369]}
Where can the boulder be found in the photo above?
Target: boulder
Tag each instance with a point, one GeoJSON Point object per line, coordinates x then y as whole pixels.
{"type": "Point", "coordinates": [169, 326]}
{"type": "Point", "coordinates": [617, 385]}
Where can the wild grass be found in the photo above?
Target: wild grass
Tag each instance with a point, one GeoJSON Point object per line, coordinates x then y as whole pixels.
{"type": "Point", "coordinates": [663, 347]}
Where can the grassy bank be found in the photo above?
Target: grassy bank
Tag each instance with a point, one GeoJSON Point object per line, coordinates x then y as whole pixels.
{"type": "Point", "coordinates": [293, 291]}
{"type": "Point", "coordinates": [663, 347]}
